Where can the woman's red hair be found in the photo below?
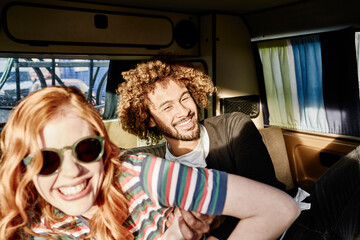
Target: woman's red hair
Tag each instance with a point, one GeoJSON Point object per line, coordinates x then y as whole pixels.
{"type": "Point", "coordinates": [20, 204]}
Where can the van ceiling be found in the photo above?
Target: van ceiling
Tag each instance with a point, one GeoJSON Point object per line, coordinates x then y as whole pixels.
{"type": "Point", "coordinates": [199, 6]}
{"type": "Point", "coordinates": [265, 19]}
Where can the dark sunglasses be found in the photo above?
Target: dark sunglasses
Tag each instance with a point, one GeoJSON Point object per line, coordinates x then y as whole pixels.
{"type": "Point", "coordinates": [85, 150]}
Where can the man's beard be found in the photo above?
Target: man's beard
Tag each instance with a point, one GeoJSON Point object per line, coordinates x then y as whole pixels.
{"type": "Point", "coordinates": [174, 134]}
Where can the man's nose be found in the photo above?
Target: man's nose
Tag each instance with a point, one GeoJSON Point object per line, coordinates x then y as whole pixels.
{"type": "Point", "coordinates": [182, 110]}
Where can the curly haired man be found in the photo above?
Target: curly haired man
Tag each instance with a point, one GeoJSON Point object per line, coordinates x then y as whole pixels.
{"type": "Point", "coordinates": [160, 99]}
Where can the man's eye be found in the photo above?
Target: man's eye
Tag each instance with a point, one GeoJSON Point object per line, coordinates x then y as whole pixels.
{"type": "Point", "coordinates": [185, 98]}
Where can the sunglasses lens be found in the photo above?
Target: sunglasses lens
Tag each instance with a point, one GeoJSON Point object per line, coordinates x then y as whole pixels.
{"type": "Point", "coordinates": [88, 150]}
{"type": "Point", "coordinates": [51, 162]}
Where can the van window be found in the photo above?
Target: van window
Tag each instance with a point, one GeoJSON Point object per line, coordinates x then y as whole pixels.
{"type": "Point", "coordinates": [19, 77]}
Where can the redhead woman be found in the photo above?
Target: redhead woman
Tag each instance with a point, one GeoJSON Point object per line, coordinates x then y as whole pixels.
{"type": "Point", "coordinates": [62, 178]}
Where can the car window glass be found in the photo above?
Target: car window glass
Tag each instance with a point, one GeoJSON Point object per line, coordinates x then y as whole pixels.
{"type": "Point", "coordinates": [19, 77]}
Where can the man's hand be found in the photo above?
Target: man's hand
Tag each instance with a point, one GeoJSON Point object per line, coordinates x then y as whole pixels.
{"type": "Point", "coordinates": [192, 225]}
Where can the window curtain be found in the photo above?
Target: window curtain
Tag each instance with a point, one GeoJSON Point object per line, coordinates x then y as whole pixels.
{"type": "Point", "coordinates": [340, 79]}
{"type": "Point", "coordinates": [320, 72]}
{"type": "Point", "coordinates": [279, 83]}
{"type": "Point", "coordinates": [357, 53]}
{"type": "Point", "coordinates": [293, 83]}
{"type": "Point", "coordinates": [308, 72]}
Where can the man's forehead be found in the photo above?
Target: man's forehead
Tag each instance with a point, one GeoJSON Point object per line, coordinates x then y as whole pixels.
{"type": "Point", "coordinates": [167, 84]}
{"type": "Point", "coordinates": [166, 91]}
{"type": "Point", "coordinates": [164, 83]}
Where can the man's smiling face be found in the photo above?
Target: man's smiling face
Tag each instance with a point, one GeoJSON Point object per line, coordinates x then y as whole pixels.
{"type": "Point", "coordinates": [174, 111]}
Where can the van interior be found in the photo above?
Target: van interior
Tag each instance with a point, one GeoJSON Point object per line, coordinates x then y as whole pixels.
{"type": "Point", "coordinates": [245, 46]}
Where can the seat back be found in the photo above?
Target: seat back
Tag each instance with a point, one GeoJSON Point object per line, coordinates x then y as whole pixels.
{"type": "Point", "coordinates": [275, 143]}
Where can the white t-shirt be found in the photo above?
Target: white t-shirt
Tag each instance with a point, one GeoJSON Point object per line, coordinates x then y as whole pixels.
{"type": "Point", "coordinates": [195, 158]}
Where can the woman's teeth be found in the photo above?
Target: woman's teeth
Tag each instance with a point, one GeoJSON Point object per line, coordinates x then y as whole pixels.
{"type": "Point", "coordinates": [73, 190]}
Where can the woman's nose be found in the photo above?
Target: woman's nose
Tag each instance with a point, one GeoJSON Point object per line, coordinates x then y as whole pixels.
{"type": "Point", "coordinates": [70, 166]}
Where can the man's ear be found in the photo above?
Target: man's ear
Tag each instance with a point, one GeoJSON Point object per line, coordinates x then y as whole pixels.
{"type": "Point", "coordinates": [152, 122]}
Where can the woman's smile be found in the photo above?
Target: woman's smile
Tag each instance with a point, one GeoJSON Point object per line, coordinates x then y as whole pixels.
{"type": "Point", "coordinates": [74, 192]}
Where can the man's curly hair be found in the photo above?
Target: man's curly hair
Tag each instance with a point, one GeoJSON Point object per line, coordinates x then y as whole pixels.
{"type": "Point", "coordinates": [132, 109]}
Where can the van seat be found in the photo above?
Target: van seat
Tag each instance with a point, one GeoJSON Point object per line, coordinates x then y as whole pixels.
{"type": "Point", "coordinates": [275, 143]}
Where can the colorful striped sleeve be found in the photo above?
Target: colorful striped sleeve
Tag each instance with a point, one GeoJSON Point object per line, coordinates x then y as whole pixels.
{"type": "Point", "coordinates": [169, 183]}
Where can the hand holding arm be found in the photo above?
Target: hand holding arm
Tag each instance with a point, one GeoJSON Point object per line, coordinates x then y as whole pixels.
{"type": "Point", "coordinates": [173, 232]}
{"type": "Point", "coordinates": [192, 225]}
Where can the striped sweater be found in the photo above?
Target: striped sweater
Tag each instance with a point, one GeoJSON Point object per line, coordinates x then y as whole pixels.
{"type": "Point", "coordinates": [152, 185]}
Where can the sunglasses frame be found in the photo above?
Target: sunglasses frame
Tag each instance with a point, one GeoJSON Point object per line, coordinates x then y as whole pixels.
{"type": "Point", "coordinates": [60, 153]}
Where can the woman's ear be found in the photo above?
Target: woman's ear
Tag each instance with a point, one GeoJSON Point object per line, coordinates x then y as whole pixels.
{"type": "Point", "coordinates": [152, 122]}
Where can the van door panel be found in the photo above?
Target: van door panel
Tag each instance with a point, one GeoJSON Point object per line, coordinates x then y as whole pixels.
{"type": "Point", "coordinates": [310, 155]}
